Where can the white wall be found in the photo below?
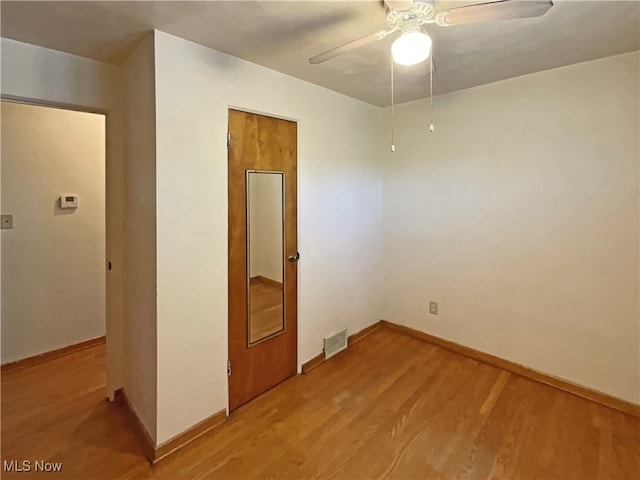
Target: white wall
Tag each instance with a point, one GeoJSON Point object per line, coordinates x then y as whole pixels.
{"type": "Point", "coordinates": [140, 337]}
{"type": "Point", "coordinates": [520, 217]}
{"type": "Point", "coordinates": [37, 73]}
{"type": "Point", "coordinates": [339, 216]}
{"type": "Point", "coordinates": [53, 273]}
{"type": "Point", "coordinates": [266, 238]}
{"type": "Point", "coordinates": [42, 75]}
{"type": "Point", "coordinates": [339, 207]}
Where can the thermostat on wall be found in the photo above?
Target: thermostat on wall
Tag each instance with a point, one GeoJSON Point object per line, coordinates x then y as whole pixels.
{"type": "Point", "coordinates": [68, 201]}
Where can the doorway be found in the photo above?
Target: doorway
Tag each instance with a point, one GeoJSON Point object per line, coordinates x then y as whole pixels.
{"type": "Point", "coordinates": [53, 232]}
{"type": "Point", "coordinates": [262, 254]}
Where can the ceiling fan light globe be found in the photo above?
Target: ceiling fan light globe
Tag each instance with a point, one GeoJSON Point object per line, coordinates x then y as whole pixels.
{"type": "Point", "coordinates": [411, 48]}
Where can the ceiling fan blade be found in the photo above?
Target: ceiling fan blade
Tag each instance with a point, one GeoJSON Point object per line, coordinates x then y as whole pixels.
{"type": "Point", "coordinates": [399, 4]}
{"type": "Point", "coordinates": [488, 12]}
{"type": "Point", "coordinates": [352, 45]}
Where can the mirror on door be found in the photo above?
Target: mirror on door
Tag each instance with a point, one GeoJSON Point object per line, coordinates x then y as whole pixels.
{"type": "Point", "coordinates": [265, 255]}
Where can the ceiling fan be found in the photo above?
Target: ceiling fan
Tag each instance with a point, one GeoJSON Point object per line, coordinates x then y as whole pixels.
{"type": "Point", "coordinates": [407, 17]}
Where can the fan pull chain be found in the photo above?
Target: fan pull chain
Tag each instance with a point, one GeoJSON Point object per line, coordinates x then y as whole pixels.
{"type": "Point", "coordinates": [393, 145]}
{"type": "Point", "coordinates": [432, 127]}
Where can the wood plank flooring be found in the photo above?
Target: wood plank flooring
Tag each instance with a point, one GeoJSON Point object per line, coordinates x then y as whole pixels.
{"type": "Point", "coordinates": [266, 309]}
{"type": "Point", "coordinates": [390, 406]}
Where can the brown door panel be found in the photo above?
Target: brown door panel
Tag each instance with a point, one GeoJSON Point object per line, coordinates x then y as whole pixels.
{"type": "Point", "coordinates": [264, 144]}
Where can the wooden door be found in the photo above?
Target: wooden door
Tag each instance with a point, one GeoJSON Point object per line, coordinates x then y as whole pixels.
{"type": "Point", "coordinates": [262, 158]}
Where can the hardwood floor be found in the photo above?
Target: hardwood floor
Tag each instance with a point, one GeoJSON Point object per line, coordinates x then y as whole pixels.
{"type": "Point", "coordinates": [266, 308]}
{"type": "Point", "coordinates": [390, 406]}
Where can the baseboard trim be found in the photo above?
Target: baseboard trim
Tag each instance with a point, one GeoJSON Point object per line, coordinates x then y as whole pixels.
{"type": "Point", "coordinates": [46, 356]}
{"type": "Point", "coordinates": [351, 339]}
{"type": "Point", "coordinates": [356, 337]}
{"type": "Point", "coordinates": [139, 430]}
{"type": "Point", "coordinates": [542, 377]}
{"type": "Point", "coordinates": [171, 446]}
{"type": "Point", "coordinates": [155, 453]}
{"type": "Point", "coordinates": [313, 363]}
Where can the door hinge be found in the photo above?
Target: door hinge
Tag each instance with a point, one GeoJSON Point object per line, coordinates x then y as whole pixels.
{"type": "Point", "coordinates": [228, 368]}
{"type": "Point", "coordinates": [228, 139]}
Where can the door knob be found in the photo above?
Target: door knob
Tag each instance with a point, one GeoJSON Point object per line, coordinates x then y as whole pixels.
{"type": "Point", "coordinates": [294, 258]}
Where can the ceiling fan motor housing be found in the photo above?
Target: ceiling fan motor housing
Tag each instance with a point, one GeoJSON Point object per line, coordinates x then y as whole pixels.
{"type": "Point", "coordinates": [421, 12]}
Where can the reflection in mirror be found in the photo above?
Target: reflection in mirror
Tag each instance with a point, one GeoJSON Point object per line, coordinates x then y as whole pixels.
{"type": "Point", "coordinates": [265, 247]}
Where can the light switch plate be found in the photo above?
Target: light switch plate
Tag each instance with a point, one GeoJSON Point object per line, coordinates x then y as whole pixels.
{"type": "Point", "coordinates": [6, 221]}
{"type": "Point", "coordinates": [433, 308]}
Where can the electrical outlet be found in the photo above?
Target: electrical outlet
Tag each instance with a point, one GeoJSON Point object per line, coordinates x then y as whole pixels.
{"type": "Point", "coordinates": [6, 222]}
{"type": "Point", "coordinates": [433, 308]}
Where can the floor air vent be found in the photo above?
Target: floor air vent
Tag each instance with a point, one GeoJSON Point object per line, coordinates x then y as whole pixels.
{"type": "Point", "coordinates": [335, 343]}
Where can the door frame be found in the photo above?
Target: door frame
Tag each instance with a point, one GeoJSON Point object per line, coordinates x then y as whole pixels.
{"type": "Point", "coordinates": [113, 334]}
{"type": "Point", "coordinates": [299, 122]}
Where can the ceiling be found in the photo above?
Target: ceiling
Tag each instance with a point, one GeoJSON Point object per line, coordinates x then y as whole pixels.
{"type": "Point", "coordinates": [282, 35]}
